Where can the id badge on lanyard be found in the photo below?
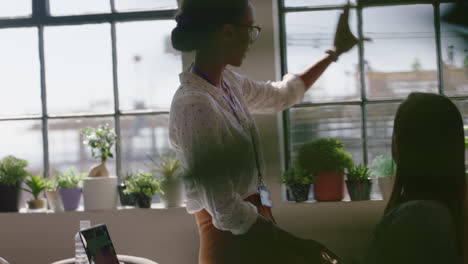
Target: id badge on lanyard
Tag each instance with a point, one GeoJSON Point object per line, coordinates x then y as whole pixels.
{"type": "Point", "coordinates": [265, 197]}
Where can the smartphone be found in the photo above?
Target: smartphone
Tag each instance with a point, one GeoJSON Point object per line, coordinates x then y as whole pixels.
{"type": "Point", "coordinates": [98, 245]}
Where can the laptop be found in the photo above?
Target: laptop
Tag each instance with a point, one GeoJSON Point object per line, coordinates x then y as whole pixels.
{"type": "Point", "coordinates": [98, 245]}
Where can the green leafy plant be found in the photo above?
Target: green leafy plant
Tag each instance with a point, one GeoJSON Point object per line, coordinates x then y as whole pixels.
{"type": "Point", "coordinates": [166, 169]}
{"type": "Point", "coordinates": [69, 179]}
{"type": "Point", "coordinates": [128, 176]}
{"type": "Point", "coordinates": [382, 166]}
{"type": "Point", "coordinates": [142, 183]}
{"type": "Point", "coordinates": [358, 172]}
{"type": "Point", "coordinates": [296, 175]}
{"type": "Point", "coordinates": [36, 185]}
{"type": "Point", "coordinates": [50, 184]}
{"type": "Point", "coordinates": [100, 140]}
{"type": "Point", "coordinates": [12, 171]}
{"type": "Point", "coordinates": [325, 154]}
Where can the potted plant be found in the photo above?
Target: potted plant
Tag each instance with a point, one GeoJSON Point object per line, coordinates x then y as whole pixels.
{"type": "Point", "coordinates": [126, 199]}
{"type": "Point", "coordinates": [359, 183]}
{"type": "Point", "coordinates": [36, 185]}
{"type": "Point", "coordinates": [99, 189]}
{"type": "Point", "coordinates": [68, 185]}
{"type": "Point", "coordinates": [143, 185]}
{"type": "Point", "coordinates": [326, 160]}
{"type": "Point", "coordinates": [297, 183]}
{"type": "Point", "coordinates": [12, 175]}
{"type": "Point", "coordinates": [53, 198]}
{"type": "Point", "coordinates": [384, 169]}
{"type": "Point", "coordinates": [172, 186]}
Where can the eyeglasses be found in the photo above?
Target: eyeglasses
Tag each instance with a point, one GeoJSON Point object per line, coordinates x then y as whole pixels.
{"type": "Point", "coordinates": [254, 32]}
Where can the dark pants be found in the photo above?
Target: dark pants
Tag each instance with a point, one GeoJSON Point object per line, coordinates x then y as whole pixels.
{"type": "Point", "coordinates": [276, 246]}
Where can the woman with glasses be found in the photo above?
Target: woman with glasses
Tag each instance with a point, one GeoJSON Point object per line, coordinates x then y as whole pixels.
{"type": "Point", "coordinates": [216, 139]}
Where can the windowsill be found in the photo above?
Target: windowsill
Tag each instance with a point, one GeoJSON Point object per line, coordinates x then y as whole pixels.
{"type": "Point", "coordinates": [160, 206]}
{"type": "Point", "coordinates": [374, 197]}
{"type": "Point", "coordinates": [344, 201]}
{"type": "Point", "coordinates": [157, 206]}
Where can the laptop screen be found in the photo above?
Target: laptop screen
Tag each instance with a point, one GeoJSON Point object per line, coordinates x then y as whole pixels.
{"type": "Point", "coordinates": [98, 245]}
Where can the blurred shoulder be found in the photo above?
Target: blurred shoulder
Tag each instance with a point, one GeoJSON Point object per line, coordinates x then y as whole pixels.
{"type": "Point", "coordinates": [233, 75]}
{"type": "Point", "coordinates": [189, 94]}
{"type": "Point", "coordinates": [418, 214]}
{"type": "Point", "coordinates": [423, 207]}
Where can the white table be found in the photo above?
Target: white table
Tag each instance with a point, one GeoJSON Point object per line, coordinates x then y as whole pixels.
{"type": "Point", "coordinates": [124, 258]}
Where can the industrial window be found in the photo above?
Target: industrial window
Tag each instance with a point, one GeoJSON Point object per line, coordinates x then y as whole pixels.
{"type": "Point", "coordinates": [413, 50]}
{"type": "Point", "coordinates": [67, 65]}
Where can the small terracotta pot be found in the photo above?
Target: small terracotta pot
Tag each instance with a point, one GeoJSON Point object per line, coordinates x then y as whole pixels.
{"type": "Point", "coordinates": [36, 204]}
{"type": "Point", "coordinates": [329, 186]}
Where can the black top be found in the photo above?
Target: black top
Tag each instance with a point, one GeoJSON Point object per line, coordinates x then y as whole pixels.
{"type": "Point", "coordinates": [415, 232]}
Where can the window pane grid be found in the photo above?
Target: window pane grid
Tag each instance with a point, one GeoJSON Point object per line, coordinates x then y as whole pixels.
{"type": "Point", "coordinates": [15, 8]}
{"type": "Point", "coordinates": [376, 130]}
{"type": "Point", "coordinates": [118, 147]}
{"type": "Point", "coordinates": [40, 19]}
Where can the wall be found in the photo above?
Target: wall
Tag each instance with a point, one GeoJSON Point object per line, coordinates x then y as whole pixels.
{"type": "Point", "coordinates": [166, 236]}
{"type": "Point", "coordinates": [170, 236]}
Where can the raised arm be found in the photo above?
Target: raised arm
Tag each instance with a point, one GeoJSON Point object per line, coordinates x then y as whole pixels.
{"type": "Point", "coordinates": [276, 96]}
{"type": "Point", "coordinates": [344, 41]}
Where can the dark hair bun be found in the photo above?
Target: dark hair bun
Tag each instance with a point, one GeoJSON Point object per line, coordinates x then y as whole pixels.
{"type": "Point", "coordinates": [198, 19]}
{"type": "Point", "coordinates": [184, 39]}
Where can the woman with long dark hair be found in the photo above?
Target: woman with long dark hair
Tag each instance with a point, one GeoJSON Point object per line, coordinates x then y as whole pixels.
{"type": "Point", "coordinates": [424, 221]}
{"type": "Point", "coordinates": [216, 139]}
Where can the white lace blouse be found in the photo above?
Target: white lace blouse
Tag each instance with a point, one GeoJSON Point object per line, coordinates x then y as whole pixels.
{"type": "Point", "coordinates": [200, 116]}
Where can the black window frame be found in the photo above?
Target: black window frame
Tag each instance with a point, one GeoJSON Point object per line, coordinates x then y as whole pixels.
{"type": "Point", "coordinates": [363, 101]}
{"type": "Point", "coordinates": [40, 18]}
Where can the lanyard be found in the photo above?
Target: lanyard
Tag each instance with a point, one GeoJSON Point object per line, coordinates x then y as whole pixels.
{"type": "Point", "coordinates": [231, 103]}
{"type": "Point", "coordinates": [226, 90]}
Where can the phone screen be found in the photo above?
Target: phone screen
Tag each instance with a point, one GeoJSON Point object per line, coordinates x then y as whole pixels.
{"type": "Point", "coordinates": [98, 245]}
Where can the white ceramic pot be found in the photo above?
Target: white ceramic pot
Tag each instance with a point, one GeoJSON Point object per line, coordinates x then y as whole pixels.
{"type": "Point", "coordinates": [173, 193]}
{"type": "Point", "coordinates": [386, 186]}
{"type": "Point", "coordinates": [100, 193]}
{"type": "Point", "coordinates": [53, 199]}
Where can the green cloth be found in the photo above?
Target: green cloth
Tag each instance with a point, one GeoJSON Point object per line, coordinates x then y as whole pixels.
{"type": "Point", "coordinates": [415, 232]}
